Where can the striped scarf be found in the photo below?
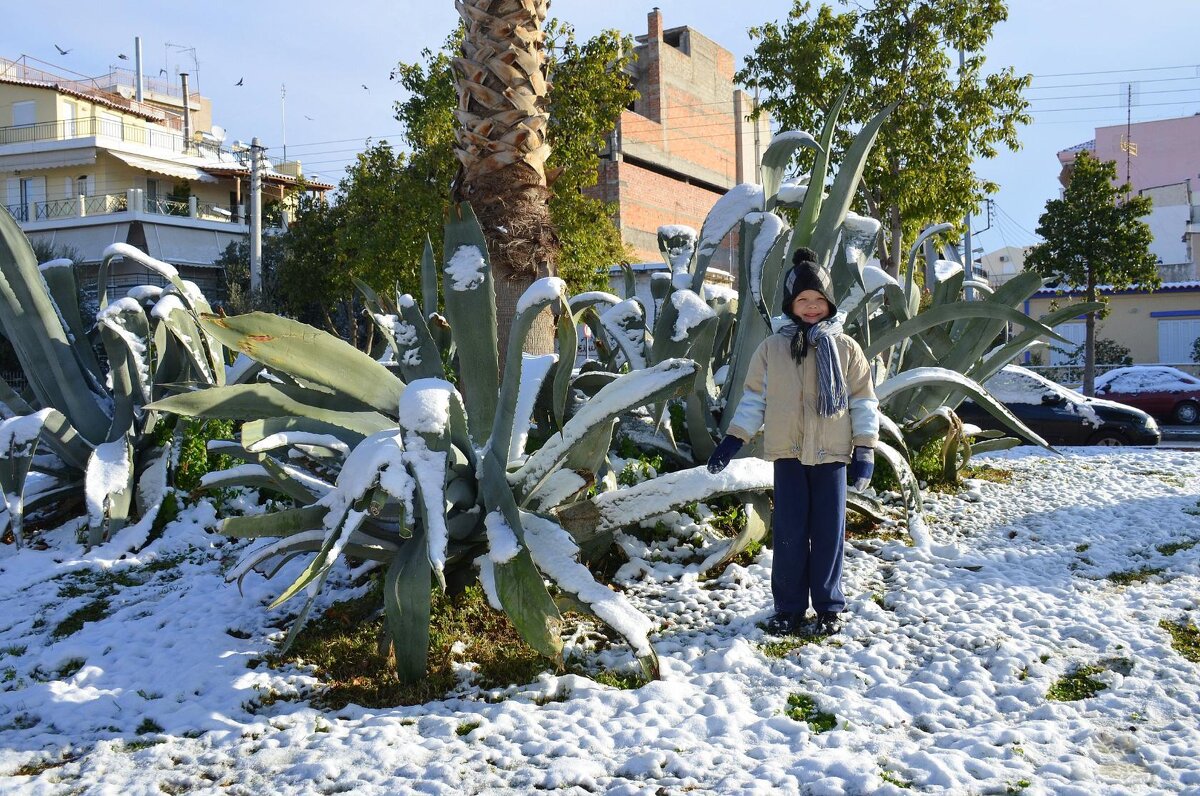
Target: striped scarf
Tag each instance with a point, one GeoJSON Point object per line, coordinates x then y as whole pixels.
{"type": "Point", "coordinates": [832, 396]}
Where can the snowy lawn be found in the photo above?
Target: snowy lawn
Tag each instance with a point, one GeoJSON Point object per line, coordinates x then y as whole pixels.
{"type": "Point", "coordinates": [141, 676]}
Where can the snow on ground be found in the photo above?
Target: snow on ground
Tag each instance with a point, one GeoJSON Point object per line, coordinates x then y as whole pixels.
{"type": "Point", "coordinates": [938, 680]}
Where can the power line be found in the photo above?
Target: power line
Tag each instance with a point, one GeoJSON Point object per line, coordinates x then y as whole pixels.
{"type": "Point", "coordinates": [1118, 71]}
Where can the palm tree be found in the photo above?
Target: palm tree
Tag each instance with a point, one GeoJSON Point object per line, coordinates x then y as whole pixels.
{"type": "Point", "coordinates": [501, 148]}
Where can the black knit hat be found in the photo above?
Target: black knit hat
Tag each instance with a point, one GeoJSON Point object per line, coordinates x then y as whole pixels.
{"type": "Point", "coordinates": [806, 274]}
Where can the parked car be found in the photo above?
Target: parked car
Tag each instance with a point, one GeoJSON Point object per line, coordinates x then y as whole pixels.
{"type": "Point", "coordinates": [1164, 392]}
{"type": "Point", "coordinates": [1061, 416]}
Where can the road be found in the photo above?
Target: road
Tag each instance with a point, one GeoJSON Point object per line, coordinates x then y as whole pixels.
{"type": "Point", "coordinates": [1181, 437]}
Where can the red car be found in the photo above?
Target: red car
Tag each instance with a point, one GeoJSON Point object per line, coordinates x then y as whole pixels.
{"type": "Point", "coordinates": [1158, 390]}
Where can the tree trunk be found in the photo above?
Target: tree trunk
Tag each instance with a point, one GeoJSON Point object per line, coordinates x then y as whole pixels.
{"type": "Point", "coordinates": [501, 148]}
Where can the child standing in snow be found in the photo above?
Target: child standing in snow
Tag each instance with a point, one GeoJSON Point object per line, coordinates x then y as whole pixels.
{"type": "Point", "coordinates": [809, 388]}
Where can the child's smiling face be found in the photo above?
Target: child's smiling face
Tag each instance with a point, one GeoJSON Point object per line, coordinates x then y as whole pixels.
{"type": "Point", "coordinates": [810, 306]}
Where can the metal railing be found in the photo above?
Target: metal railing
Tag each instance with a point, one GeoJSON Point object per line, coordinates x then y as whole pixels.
{"type": "Point", "coordinates": [119, 203]}
{"type": "Point", "coordinates": [149, 135]}
{"type": "Point", "coordinates": [165, 206]}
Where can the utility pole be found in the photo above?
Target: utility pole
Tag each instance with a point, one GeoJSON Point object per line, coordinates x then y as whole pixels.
{"type": "Point", "coordinates": [969, 292]}
{"type": "Point", "coordinates": [256, 150]}
{"type": "Point", "coordinates": [757, 141]}
{"type": "Point", "coordinates": [283, 115]}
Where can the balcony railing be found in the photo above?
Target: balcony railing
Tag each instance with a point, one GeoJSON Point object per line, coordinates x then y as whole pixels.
{"type": "Point", "coordinates": [104, 127]}
{"type": "Point", "coordinates": [105, 204]}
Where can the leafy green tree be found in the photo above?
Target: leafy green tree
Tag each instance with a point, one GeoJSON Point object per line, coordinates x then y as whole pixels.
{"type": "Point", "coordinates": [919, 171]}
{"type": "Point", "coordinates": [1094, 236]}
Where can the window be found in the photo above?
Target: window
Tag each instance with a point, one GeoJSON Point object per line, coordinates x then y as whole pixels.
{"type": "Point", "coordinates": [151, 190]}
{"type": "Point", "coordinates": [81, 185]}
{"type": "Point", "coordinates": [1175, 339]}
{"type": "Point", "coordinates": [24, 113]}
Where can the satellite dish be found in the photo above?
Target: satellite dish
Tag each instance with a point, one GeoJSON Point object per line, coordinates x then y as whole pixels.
{"type": "Point", "coordinates": [218, 133]}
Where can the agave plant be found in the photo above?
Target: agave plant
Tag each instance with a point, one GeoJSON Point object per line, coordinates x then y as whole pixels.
{"type": "Point", "coordinates": [437, 481]}
{"type": "Point", "coordinates": [926, 361]}
{"type": "Point", "coordinates": [90, 421]}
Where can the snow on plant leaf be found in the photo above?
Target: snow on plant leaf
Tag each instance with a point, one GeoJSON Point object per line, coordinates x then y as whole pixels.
{"type": "Point", "coordinates": [465, 268]}
{"type": "Point", "coordinates": [692, 311]}
{"type": "Point", "coordinates": [502, 542]}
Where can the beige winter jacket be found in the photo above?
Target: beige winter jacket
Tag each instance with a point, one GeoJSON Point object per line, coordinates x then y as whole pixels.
{"type": "Point", "coordinates": [780, 398]}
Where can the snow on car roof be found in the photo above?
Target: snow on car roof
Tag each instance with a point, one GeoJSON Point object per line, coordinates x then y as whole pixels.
{"type": "Point", "coordinates": [1148, 378]}
{"type": "Point", "coordinates": [1014, 384]}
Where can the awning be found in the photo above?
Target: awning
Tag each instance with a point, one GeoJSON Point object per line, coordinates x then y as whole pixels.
{"type": "Point", "coordinates": [43, 161]}
{"type": "Point", "coordinates": [187, 245]}
{"type": "Point", "coordinates": [167, 167]}
{"type": "Point", "coordinates": [88, 242]}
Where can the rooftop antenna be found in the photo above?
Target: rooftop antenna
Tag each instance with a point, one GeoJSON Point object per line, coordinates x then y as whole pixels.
{"type": "Point", "coordinates": [283, 115]}
{"type": "Point", "coordinates": [1128, 146]}
{"type": "Point", "coordinates": [191, 51]}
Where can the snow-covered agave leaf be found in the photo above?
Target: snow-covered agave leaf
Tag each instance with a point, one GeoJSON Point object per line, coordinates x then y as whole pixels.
{"type": "Point", "coordinates": [890, 429]}
{"type": "Point", "coordinates": [190, 339]}
{"type": "Point", "coordinates": [57, 374]}
{"type": "Point", "coordinates": [292, 481]}
{"type": "Point", "coordinates": [125, 331]}
{"type": "Point", "coordinates": [339, 525]}
{"type": "Point", "coordinates": [407, 609]}
{"type": "Point", "coordinates": [921, 377]}
{"type": "Point", "coordinates": [284, 523]}
{"type": "Point", "coordinates": [255, 431]}
{"type": "Point", "coordinates": [567, 341]}
{"type": "Point", "coordinates": [916, 248]}
{"type": "Point", "coordinates": [543, 293]}
{"type": "Point", "coordinates": [677, 245]}
{"type": "Point", "coordinates": [865, 505]}
{"type": "Point", "coordinates": [470, 299]}
{"type": "Point", "coordinates": [310, 355]}
{"type": "Point", "coordinates": [625, 325]}
{"type": "Point", "coordinates": [701, 428]}
{"type": "Point", "coordinates": [726, 213]}
{"type": "Point", "coordinates": [127, 252]}
{"type": "Point", "coordinates": [758, 520]}
{"type": "Point", "coordinates": [556, 555]}
{"type": "Point", "coordinates": [629, 506]}
{"type": "Point", "coordinates": [625, 393]}
{"type": "Point", "coordinates": [991, 445]}
{"type": "Point", "coordinates": [911, 489]}
{"type": "Point", "coordinates": [778, 157]}
{"type": "Point", "coordinates": [59, 276]}
{"type": "Point", "coordinates": [678, 322]}
{"type": "Point", "coordinates": [768, 235]}
{"type": "Point", "coordinates": [18, 445]}
{"type": "Point", "coordinates": [418, 358]}
{"type": "Point", "coordinates": [108, 492]}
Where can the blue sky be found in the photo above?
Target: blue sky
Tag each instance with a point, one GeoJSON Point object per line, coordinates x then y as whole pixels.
{"type": "Point", "coordinates": [1081, 53]}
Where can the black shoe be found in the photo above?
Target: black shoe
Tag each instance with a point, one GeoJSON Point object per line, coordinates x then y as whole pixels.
{"type": "Point", "coordinates": [828, 623]}
{"type": "Point", "coordinates": [784, 623]}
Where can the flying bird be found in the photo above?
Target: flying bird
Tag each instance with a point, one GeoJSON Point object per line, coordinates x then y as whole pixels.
{"type": "Point", "coordinates": [61, 51]}
{"type": "Point", "coordinates": [240, 79]}
{"type": "Point", "coordinates": [308, 117]}
{"type": "Point", "coordinates": [162, 72]}
{"type": "Point", "coordinates": [364, 85]}
{"type": "Point", "coordinates": [123, 56]}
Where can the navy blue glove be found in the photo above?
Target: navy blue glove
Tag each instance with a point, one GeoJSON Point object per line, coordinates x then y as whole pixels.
{"type": "Point", "coordinates": [862, 467]}
{"type": "Point", "coordinates": [726, 450]}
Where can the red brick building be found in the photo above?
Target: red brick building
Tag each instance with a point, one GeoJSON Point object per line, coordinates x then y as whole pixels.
{"type": "Point", "coordinates": [683, 144]}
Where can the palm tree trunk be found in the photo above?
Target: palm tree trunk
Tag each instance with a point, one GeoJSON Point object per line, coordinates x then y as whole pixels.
{"type": "Point", "coordinates": [501, 148]}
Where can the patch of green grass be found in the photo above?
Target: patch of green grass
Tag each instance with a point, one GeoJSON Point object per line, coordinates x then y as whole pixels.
{"type": "Point", "coordinates": [467, 728]}
{"type": "Point", "coordinates": [625, 681]}
{"type": "Point", "coordinates": [1130, 576]}
{"type": "Point", "coordinates": [35, 767]}
{"type": "Point", "coordinates": [1079, 684]}
{"type": "Point", "coordinates": [148, 726]}
{"type": "Point", "coordinates": [1082, 548]}
{"type": "Point", "coordinates": [140, 743]}
{"type": "Point", "coordinates": [344, 647]}
{"type": "Point", "coordinates": [893, 778]}
{"type": "Point", "coordinates": [92, 612]}
{"type": "Point", "coordinates": [801, 707]}
{"type": "Point", "coordinates": [986, 472]}
{"type": "Point", "coordinates": [1185, 638]}
{"type": "Point", "coordinates": [1168, 478]}
{"type": "Point", "coordinates": [1171, 548]}
{"type": "Point", "coordinates": [747, 556]}
{"type": "Point", "coordinates": [15, 650]}
{"type": "Point", "coordinates": [1017, 788]}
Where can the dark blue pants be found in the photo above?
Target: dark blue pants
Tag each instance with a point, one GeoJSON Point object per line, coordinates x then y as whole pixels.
{"type": "Point", "coordinates": [809, 529]}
